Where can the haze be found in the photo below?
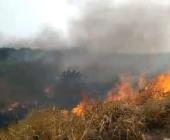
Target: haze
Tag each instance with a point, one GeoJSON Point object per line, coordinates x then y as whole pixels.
{"type": "Point", "coordinates": [118, 25]}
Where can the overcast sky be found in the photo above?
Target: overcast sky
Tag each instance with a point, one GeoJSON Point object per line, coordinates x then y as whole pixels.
{"type": "Point", "coordinates": [24, 17]}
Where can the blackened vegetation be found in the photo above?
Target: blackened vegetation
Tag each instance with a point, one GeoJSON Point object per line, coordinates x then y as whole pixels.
{"type": "Point", "coordinates": [12, 115]}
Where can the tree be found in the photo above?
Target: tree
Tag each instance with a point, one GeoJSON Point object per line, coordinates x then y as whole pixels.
{"type": "Point", "coordinates": [69, 87]}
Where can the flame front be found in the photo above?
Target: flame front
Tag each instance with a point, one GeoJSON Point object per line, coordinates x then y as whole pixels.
{"type": "Point", "coordinates": [122, 92]}
{"type": "Point", "coordinates": [157, 89]}
{"type": "Point", "coordinates": [163, 82]}
{"type": "Point", "coordinates": [80, 108]}
{"type": "Point", "coordinates": [160, 86]}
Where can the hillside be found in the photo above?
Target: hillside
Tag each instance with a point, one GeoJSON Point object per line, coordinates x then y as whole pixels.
{"type": "Point", "coordinates": [126, 107]}
{"type": "Point", "coordinates": [26, 74]}
{"type": "Point", "coordinates": [126, 113]}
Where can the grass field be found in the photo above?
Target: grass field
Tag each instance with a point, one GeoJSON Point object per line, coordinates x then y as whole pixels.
{"type": "Point", "coordinates": [150, 119]}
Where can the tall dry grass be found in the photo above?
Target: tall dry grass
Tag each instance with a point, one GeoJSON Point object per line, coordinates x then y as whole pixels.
{"type": "Point", "coordinates": [101, 121]}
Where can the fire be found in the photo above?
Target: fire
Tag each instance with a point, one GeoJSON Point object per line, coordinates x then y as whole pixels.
{"type": "Point", "coordinates": [125, 92]}
{"type": "Point", "coordinates": [80, 108]}
{"type": "Point", "coordinates": [160, 86]}
{"type": "Point", "coordinates": [122, 92]}
{"type": "Point", "coordinates": [157, 89]}
{"type": "Point", "coordinates": [163, 82]}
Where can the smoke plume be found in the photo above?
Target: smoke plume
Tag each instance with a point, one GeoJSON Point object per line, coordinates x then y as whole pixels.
{"type": "Point", "coordinates": [110, 38]}
{"type": "Point", "coordinates": [132, 27]}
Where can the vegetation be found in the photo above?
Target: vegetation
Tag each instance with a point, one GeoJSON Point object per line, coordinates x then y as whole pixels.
{"type": "Point", "coordinates": [100, 121]}
{"type": "Point", "coordinates": [35, 75]}
{"type": "Point", "coordinates": [28, 75]}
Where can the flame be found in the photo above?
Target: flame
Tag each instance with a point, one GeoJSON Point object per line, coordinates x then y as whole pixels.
{"type": "Point", "coordinates": [122, 92]}
{"type": "Point", "coordinates": [163, 82]}
{"type": "Point", "coordinates": [160, 86]}
{"type": "Point", "coordinates": [125, 92]}
{"type": "Point", "coordinates": [80, 108]}
{"type": "Point", "coordinates": [157, 89]}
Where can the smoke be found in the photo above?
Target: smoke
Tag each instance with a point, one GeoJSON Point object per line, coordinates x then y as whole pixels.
{"type": "Point", "coordinates": [111, 25]}
{"type": "Point", "coordinates": [47, 38]}
{"type": "Point", "coordinates": [109, 38]}
{"type": "Point", "coordinates": [105, 31]}
{"type": "Point", "coordinates": [130, 27]}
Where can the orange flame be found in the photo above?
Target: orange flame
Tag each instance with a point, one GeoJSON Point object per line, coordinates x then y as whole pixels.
{"type": "Point", "coordinates": [163, 82]}
{"type": "Point", "coordinates": [123, 91]}
{"type": "Point", "coordinates": [160, 86]}
{"type": "Point", "coordinates": [80, 108]}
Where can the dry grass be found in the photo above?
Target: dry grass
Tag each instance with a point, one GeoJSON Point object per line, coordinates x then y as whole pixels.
{"type": "Point", "coordinates": [101, 121]}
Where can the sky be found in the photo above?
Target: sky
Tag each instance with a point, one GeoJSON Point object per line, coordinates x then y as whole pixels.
{"type": "Point", "coordinates": [24, 17]}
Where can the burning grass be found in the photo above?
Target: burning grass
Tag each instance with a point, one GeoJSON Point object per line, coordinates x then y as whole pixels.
{"type": "Point", "coordinates": [135, 116]}
{"type": "Point", "coordinates": [100, 121]}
